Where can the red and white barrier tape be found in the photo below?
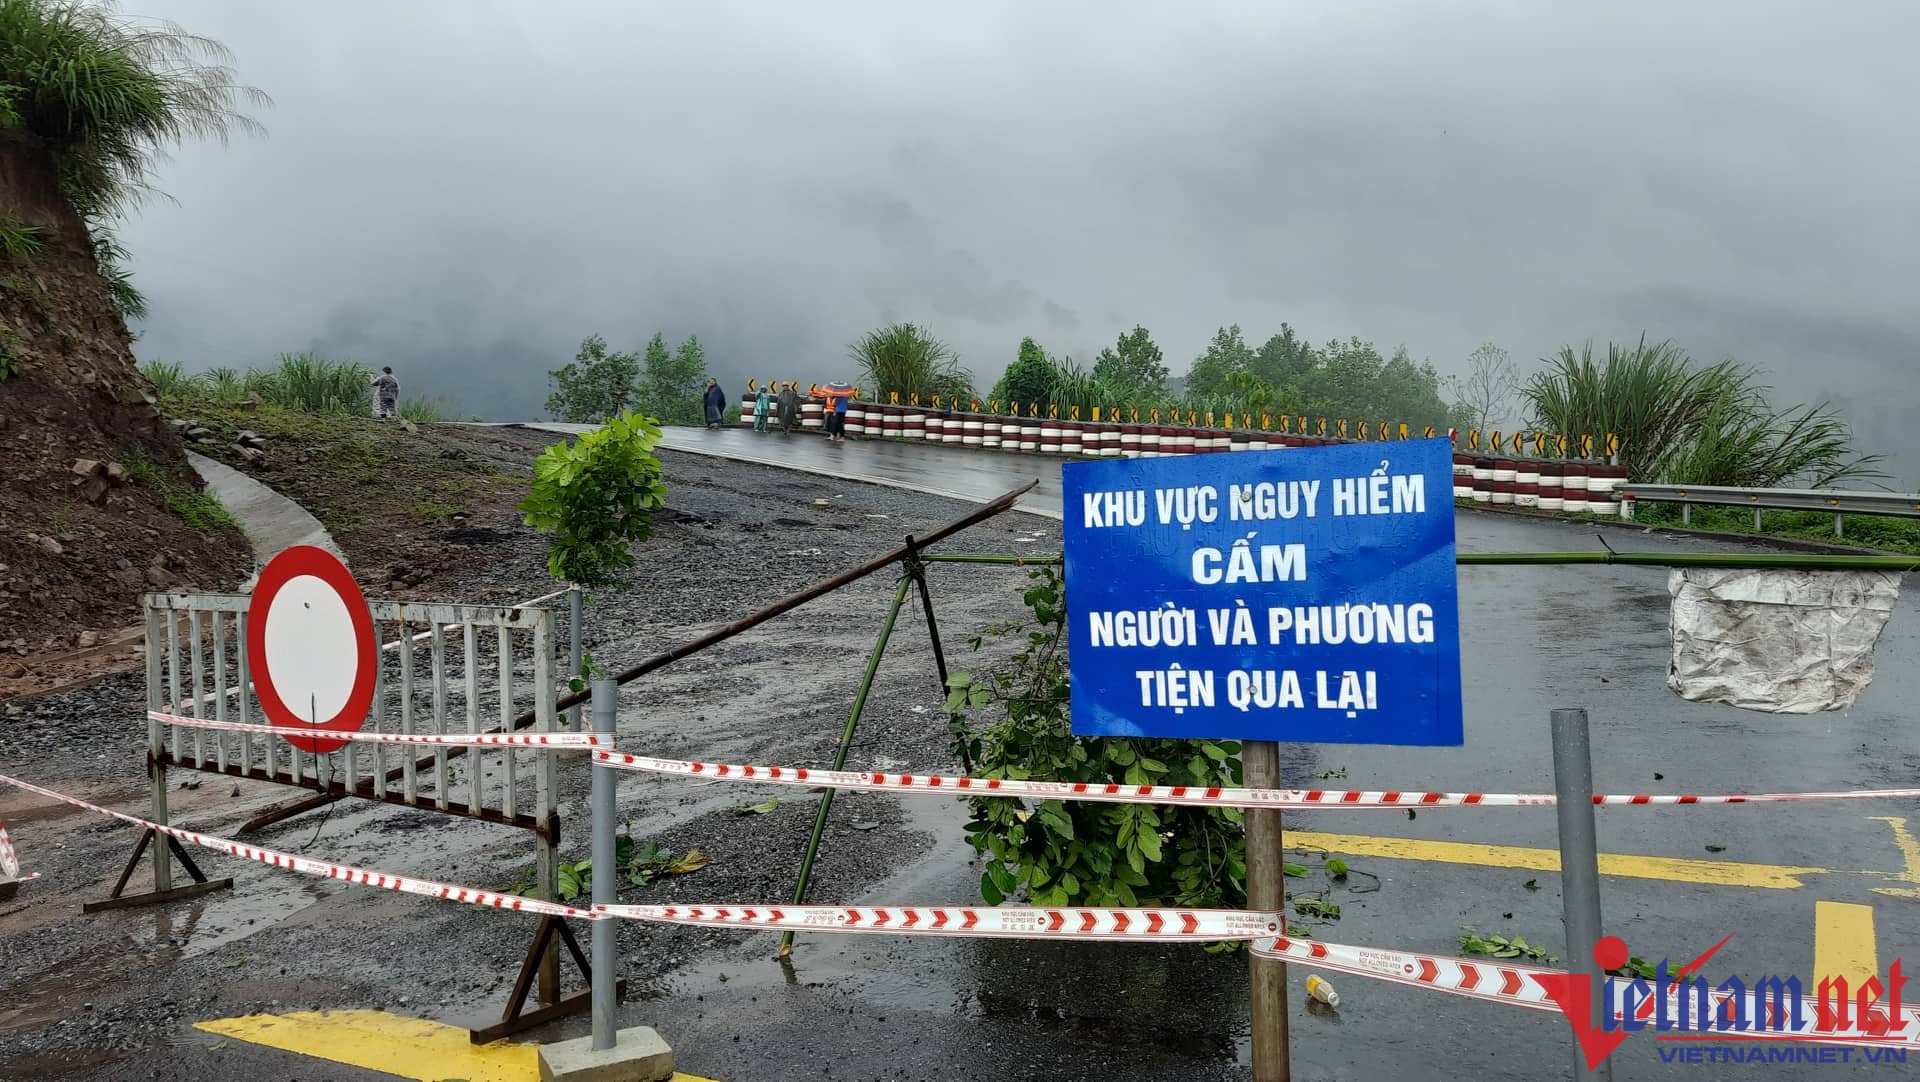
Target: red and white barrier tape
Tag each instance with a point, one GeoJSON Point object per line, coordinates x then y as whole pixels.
{"type": "Point", "coordinates": [466, 740]}
{"type": "Point", "coordinates": [394, 645]}
{"type": "Point", "coordinates": [1495, 981]}
{"type": "Point", "coordinates": [1198, 925]}
{"type": "Point", "coordinates": [1216, 797]}
{"type": "Point", "coordinates": [1486, 980]}
{"type": "Point", "coordinates": [325, 869]}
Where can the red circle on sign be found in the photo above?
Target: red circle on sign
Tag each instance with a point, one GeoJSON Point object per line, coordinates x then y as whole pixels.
{"type": "Point", "coordinates": [294, 563]}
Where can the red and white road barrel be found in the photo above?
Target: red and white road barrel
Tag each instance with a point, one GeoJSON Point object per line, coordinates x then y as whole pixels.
{"type": "Point", "coordinates": [1185, 441]}
{"type": "Point", "coordinates": [953, 429]}
{"type": "Point", "coordinates": [1526, 483]}
{"type": "Point", "coordinates": [746, 409]}
{"type": "Point", "coordinates": [1152, 441]}
{"type": "Point", "coordinates": [810, 417]}
{"type": "Point", "coordinates": [1602, 482]}
{"type": "Point", "coordinates": [892, 420]}
{"type": "Point", "coordinates": [1072, 438]}
{"type": "Point", "coordinates": [1575, 484]}
{"type": "Point", "coordinates": [973, 431]}
{"type": "Point", "coordinates": [1010, 435]}
{"type": "Point", "coordinates": [1030, 434]}
{"type": "Point", "coordinates": [1050, 437]}
{"type": "Point", "coordinates": [1130, 441]}
{"type": "Point", "coordinates": [913, 424]}
{"type": "Point", "coordinates": [1462, 476]}
{"type": "Point", "coordinates": [1552, 494]}
{"type": "Point", "coordinates": [1483, 480]}
{"type": "Point", "coordinates": [934, 426]}
{"type": "Point", "coordinates": [856, 421]}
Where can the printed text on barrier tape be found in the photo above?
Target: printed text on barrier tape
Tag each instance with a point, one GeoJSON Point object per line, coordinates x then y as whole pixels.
{"type": "Point", "coordinates": [1488, 981]}
{"type": "Point", "coordinates": [1199, 925]}
{"type": "Point", "coordinates": [1518, 986]}
{"type": "Point", "coordinates": [487, 740]}
{"type": "Point", "coordinates": [940, 785]}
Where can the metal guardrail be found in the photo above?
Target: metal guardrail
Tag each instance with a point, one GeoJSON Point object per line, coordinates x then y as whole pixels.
{"type": "Point", "coordinates": [1840, 502]}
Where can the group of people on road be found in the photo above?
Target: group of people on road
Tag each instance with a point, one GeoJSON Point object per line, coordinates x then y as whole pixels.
{"type": "Point", "coordinates": [781, 401]}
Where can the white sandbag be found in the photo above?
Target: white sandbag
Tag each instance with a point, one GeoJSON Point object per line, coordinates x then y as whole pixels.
{"type": "Point", "coordinates": [1786, 642]}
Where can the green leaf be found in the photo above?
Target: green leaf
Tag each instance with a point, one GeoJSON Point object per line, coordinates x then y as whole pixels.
{"type": "Point", "coordinates": [1337, 868]}
{"type": "Point", "coordinates": [1001, 876]}
{"type": "Point", "coordinates": [761, 808]}
{"type": "Point", "coordinates": [989, 891]}
{"type": "Point", "coordinates": [1293, 870]}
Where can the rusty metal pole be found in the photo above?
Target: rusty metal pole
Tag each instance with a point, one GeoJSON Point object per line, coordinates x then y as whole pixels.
{"type": "Point", "coordinates": [1266, 893]}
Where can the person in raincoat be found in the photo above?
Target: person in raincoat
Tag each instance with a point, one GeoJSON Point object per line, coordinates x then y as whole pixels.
{"type": "Point", "coordinates": [762, 402]}
{"type": "Point", "coordinates": [716, 404]}
{"type": "Point", "coordinates": [837, 396]}
{"type": "Point", "coordinates": [386, 394]}
{"type": "Point", "coordinates": [789, 407]}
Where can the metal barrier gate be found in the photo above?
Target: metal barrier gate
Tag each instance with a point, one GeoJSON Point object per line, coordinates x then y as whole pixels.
{"type": "Point", "coordinates": [443, 668]}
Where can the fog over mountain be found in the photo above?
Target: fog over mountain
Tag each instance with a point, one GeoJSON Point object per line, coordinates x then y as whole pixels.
{"type": "Point", "coordinates": [465, 188]}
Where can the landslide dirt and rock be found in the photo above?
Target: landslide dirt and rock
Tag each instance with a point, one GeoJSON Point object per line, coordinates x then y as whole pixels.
{"type": "Point", "coordinates": [97, 502]}
{"type": "Point", "coordinates": [411, 506]}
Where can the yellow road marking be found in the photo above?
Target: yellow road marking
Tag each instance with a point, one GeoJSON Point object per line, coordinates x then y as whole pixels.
{"type": "Point", "coordinates": [1904, 841]}
{"type": "Point", "coordinates": [1726, 873]}
{"type": "Point", "coordinates": [377, 1041]}
{"type": "Point", "coordinates": [1843, 942]}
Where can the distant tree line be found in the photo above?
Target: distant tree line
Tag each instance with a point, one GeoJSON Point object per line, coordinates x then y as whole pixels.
{"type": "Point", "coordinates": [599, 383]}
{"type": "Point", "coordinates": [1677, 420]}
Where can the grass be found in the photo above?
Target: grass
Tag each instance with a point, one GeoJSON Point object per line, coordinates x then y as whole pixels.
{"type": "Point", "coordinates": [192, 505]}
{"type": "Point", "coordinates": [1864, 531]}
{"type": "Point", "coordinates": [298, 382]}
{"type": "Point", "coordinates": [19, 240]}
{"type": "Point", "coordinates": [907, 359]}
{"type": "Point", "coordinates": [1684, 423]}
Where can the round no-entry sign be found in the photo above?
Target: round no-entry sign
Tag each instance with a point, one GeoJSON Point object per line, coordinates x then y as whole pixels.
{"type": "Point", "coordinates": [311, 645]}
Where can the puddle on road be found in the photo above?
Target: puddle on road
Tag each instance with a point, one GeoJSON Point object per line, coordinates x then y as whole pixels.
{"type": "Point", "coordinates": [1172, 1000]}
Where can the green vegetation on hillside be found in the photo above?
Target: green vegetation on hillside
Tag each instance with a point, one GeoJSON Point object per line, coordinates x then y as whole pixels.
{"type": "Point", "coordinates": [301, 382]}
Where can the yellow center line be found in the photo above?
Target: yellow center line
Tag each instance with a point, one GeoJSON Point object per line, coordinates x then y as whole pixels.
{"type": "Point", "coordinates": [413, 1048]}
{"type": "Point", "coordinates": [1726, 873]}
{"type": "Point", "coordinates": [1843, 943]}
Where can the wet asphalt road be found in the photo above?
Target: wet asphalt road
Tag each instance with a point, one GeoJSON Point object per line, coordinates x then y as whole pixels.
{"type": "Point", "coordinates": [1533, 639]}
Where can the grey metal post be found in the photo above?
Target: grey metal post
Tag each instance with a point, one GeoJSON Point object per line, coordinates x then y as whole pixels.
{"type": "Point", "coordinates": [1839, 530]}
{"type": "Point", "coordinates": [575, 646]}
{"type": "Point", "coordinates": [606, 696]}
{"type": "Point", "coordinates": [1579, 863]}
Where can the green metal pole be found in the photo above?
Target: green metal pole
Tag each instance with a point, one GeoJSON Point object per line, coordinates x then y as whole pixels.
{"type": "Point", "coordinates": [1770, 561]}
{"type": "Point", "coordinates": [984, 558]}
{"type": "Point", "coordinates": [840, 755]}
{"type": "Point", "coordinates": [1779, 561]}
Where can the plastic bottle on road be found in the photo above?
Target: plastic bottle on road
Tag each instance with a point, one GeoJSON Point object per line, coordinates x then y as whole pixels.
{"type": "Point", "coordinates": [1318, 988]}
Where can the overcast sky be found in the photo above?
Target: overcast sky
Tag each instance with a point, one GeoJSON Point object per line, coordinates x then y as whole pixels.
{"type": "Point", "coordinates": [463, 189]}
